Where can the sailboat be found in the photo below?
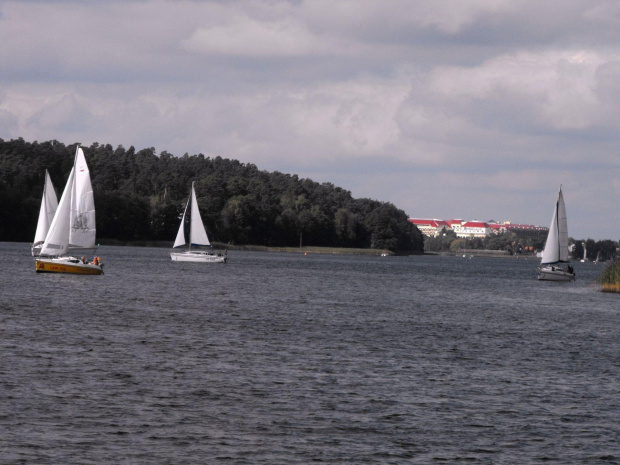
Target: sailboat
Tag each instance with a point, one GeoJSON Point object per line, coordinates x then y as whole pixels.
{"type": "Point", "coordinates": [73, 226]}
{"type": "Point", "coordinates": [554, 265]}
{"type": "Point", "coordinates": [197, 237]}
{"type": "Point", "coordinates": [585, 255]}
{"type": "Point", "coordinates": [49, 204]}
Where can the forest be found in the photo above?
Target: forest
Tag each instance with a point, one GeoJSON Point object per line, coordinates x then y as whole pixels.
{"type": "Point", "coordinates": [140, 196]}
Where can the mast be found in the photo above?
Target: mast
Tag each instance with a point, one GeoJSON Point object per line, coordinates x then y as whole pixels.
{"type": "Point", "coordinates": [190, 204]}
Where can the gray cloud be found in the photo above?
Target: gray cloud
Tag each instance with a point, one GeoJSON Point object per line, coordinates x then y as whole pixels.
{"type": "Point", "coordinates": [447, 109]}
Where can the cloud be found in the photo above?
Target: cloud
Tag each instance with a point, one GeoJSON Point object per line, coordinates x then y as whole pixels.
{"type": "Point", "coordinates": [444, 108]}
{"type": "Point", "coordinates": [63, 113]}
{"type": "Point", "coordinates": [246, 36]}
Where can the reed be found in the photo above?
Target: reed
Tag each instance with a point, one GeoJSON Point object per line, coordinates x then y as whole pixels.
{"type": "Point", "coordinates": [610, 279]}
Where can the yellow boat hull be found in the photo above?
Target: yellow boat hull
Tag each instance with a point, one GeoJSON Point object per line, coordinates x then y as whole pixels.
{"type": "Point", "coordinates": [58, 266]}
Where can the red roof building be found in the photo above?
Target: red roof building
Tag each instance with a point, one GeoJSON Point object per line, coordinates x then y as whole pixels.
{"type": "Point", "coordinates": [469, 229]}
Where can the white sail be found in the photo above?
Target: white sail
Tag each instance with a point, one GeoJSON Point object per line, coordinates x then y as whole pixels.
{"type": "Point", "coordinates": [83, 226]}
{"type": "Point", "coordinates": [197, 233]}
{"type": "Point", "coordinates": [49, 204]}
{"type": "Point", "coordinates": [556, 247]}
{"type": "Point", "coordinates": [180, 240]}
{"type": "Point", "coordinates": [562, 228]}
{"type": "Point", "coordinates": [74, 222]}
{"type": "Point", "coordinates": [57, 239]}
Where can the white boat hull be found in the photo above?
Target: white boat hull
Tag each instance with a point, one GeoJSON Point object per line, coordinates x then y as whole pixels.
{"type": "Point", "coordinates": [197, 257]}
{"type": "Point", "coordinates": [553, 273]}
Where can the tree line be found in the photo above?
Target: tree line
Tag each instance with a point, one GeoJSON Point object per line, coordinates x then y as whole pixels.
{"type": "Point", "coordinates": [515, 242]}
{"type": "Point", "coordinates": [140, 196]}
{"type": "Point", "coordinates": [521, 242]}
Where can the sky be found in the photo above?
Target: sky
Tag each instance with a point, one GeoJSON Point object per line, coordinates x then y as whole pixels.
{"type": "Point", "coordinates": [472, 109]}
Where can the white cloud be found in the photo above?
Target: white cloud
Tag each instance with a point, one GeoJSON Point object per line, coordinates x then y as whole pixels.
{"type": "Point", "coordinates": [246, 36]}
{"type": "Point", "coordinates": [62, 113]}
{"type": "Point", "coordinates": [397, 100]}
{"type": "Point", "coordinates": [558, 85]}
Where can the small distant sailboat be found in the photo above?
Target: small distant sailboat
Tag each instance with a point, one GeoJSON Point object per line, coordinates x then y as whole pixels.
{"type": "Point", "coordinates": [585, 255]}
{"type": "Point", "coordinates": [73, 226]}
{"type": "Point", "coordinates": [49, 204]}
{"type": "Point", "coordinates": [554, 265]}
{"type": "Point", "coordinates": [197, 237]}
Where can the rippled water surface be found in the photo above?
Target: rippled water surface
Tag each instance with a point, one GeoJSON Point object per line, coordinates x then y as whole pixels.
{"type": "Point", "coordinates": [292, 359]}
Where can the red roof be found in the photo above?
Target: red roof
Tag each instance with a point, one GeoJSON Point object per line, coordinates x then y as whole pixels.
{"type": "Point", "coordinates": [472, 224]}
{"type": "Point", "coordinates": [434, 223]}
{"type": "Point", "coordinates": [420, 221]}
{"type": "Point", "coordinates": [475, 224]}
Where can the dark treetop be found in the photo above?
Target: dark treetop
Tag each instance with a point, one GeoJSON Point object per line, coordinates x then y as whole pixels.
{"type": "Point", "coordinates": [140, 196]}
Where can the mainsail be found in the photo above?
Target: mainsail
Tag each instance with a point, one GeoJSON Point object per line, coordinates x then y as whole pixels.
{"type": "Point", "coordinates": [83, 231]}
{"type": "Point", "coordinates": [556, 247]}
{"type": "Point", "coordinates": [197, 233]}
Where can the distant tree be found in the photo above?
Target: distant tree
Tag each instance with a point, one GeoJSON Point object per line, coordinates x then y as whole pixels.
{"type": "Point", "coordinates": [606, 250]}
{"type": "Point", "coordinates": [440, 243]}
{"type": "Point", "coordinates": [503, 241]}
{"type": "Point", "coordinates": [458, 244]}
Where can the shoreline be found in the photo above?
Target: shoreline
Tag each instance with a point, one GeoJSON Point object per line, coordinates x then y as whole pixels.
{"type": "Point", "coordinates": [262, 248]}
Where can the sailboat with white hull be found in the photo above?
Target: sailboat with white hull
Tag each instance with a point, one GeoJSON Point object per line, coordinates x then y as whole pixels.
{"type": "Point", "coordinates": [554, 265]}
{"type": "Point", "coordinates": [49, 204]}
{"type": "Point", "coordinates": [197, 237]}
{"type": "Point", "coordinates": [73, 226]}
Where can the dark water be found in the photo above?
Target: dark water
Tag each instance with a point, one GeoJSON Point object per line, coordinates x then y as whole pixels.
{"type": "Point", "coordinates": [292, 359]}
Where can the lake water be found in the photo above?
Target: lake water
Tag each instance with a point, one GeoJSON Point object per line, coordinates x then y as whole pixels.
{"type": "Point", "coordinates": [291, 359]}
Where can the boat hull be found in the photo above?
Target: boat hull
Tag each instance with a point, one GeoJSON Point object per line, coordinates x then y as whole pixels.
{"type": "Point", "coordinates": [552, 273]}
{"type": "Point", "coordinates": [69, 266]}
{"type": "Point", "coordinates": [197, 257]}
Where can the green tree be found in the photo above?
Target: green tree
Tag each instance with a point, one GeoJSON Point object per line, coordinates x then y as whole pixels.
{"type": "Point", "coordinates": [139, 196]}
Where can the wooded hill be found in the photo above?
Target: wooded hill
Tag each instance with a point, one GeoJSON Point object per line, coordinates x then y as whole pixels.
{"type": "Point", "coordinates": [140, 196]}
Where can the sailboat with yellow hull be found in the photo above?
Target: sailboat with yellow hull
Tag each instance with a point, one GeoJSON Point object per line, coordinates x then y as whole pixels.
{"type": "Point", "coordinates": [73, 226]}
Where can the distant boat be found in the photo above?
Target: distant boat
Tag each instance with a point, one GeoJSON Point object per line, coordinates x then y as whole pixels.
{"type": "Point", "coordinates": [49, 204]}
{"type": "Point", "coordinates": [73, 226]}
{"type": "Point", "coordinates": [554, 265]}
{"type": "Point", "coordinates": [197, 237]}
{"type": "Point", "coordinates": [585, 258]}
